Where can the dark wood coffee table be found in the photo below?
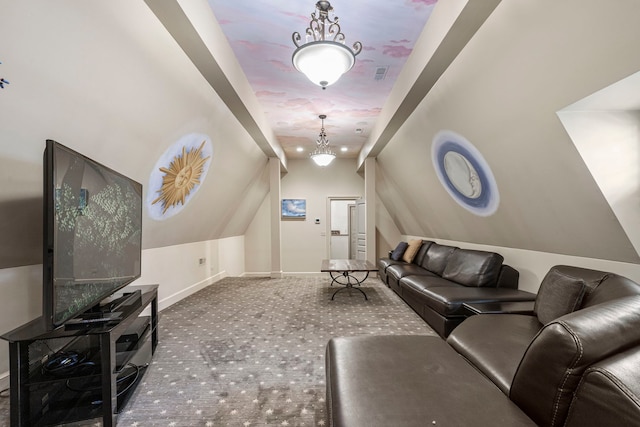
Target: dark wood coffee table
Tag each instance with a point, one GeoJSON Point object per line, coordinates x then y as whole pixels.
{"type": "Point", "coordinates": [341, 271]}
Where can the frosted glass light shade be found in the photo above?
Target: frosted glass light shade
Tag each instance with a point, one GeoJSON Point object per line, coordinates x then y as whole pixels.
{"type": "Point", "coordinates": [323, 62]}
{"type": "Point", "coordinates": [323, 159]}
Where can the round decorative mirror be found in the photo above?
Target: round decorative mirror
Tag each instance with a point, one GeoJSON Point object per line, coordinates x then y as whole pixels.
{"type": "Point", "coordinates": [464, 173]}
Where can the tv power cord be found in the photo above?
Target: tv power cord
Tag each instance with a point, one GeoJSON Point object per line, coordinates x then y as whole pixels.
{"type": "Point", "coordinates": [67, 362]}
{"type": "Point", "coordinates": [131, 376]}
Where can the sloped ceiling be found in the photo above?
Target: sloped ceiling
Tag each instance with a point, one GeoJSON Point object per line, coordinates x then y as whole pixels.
{"type": "Point", "coordinates": [119, 88]}
{"type": "Point", "coordinates": [108, 80]}
{"type": "Point", "coordinates": [502, 92]}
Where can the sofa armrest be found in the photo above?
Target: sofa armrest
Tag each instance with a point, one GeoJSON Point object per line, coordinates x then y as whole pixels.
{"type": "Point", "coordinates": [608, 393]}
{"type": "Point", "coordinates": [508, 277]}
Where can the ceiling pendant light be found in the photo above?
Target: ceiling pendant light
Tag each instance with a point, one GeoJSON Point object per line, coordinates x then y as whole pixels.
{"type": "Point", "coordinates": [323, 58]}
{"type": "Point", "coordinates": [322, 155]}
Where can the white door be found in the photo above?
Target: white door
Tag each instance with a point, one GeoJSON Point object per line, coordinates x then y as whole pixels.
{"type": "Point", "coordinates": [353, 232]}
{"type": "Point", "coordinates": [362, 230]}
{"type": "Point", "coordinates": [339, 239]}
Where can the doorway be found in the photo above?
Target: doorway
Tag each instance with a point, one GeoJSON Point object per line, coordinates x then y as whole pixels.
{"type": "Point", "coordinates": [341, 224]}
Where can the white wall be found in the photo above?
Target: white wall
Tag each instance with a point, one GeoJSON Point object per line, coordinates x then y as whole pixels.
{"type": "Point", "coordinates": [387, 233]}
{"type": "Point", "coordinates": [178, 271]}
{"type": "Point", "coordinates": [533, 265]}
{"type": "Point", "coordinates": [20, 302]}
{"type": "Point", "coordinates": [609, 143]}
{"type": "Point", "coordinates": [258, 238]}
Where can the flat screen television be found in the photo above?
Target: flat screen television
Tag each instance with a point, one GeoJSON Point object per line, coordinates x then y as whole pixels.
{"type": "Point", "coordinates": [92, 233]}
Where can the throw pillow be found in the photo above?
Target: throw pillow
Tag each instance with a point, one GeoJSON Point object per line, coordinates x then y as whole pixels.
{"type": "Point", "coordinates": [412, 250]}
{"type": "Point", "coordinates": [559, 294]}
{"type": "Point", "coordinates": [397, 253]}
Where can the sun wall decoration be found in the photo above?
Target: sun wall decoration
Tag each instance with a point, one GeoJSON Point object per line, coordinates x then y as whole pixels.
{"type": "Point", "coordinates": [178, 175]}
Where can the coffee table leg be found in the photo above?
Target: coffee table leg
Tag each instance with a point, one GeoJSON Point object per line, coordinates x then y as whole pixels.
{"type": "Point", "coordinates": [348, 285]}
{"type": "Point", "coordinates": [334, 279]}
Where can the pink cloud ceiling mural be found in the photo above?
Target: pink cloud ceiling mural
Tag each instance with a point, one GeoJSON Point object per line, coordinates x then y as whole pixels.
{"type": "Point", "coordinates": [260, 36]}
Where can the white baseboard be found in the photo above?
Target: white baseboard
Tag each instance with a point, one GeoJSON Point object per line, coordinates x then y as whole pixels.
{"type": "Point", "coordinates": [305, 274]}
{"type": "Point", "coordinates": [172, 299]}
{"type": "Point", "coordinates": [4, 380]}
{"type": "Point", "coordinates": [256, 274]}
{"type": "Point", "coordinates": [281, 274]}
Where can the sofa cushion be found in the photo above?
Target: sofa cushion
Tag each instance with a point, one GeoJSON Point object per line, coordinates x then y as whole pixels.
{"type": "Point", "coordinates": [436, 258]}
{"type": "Point", "coordinates": [397, 253]}
{"type": "Point", "coordinates": [422, 252]}
{"type": "Point", "coordinates": [398, 271]}
{"type": "Point", "coordinates": [428, 280]}
{"type": "Point", "coordinates": [412, 250]}
{"type": "Point", "coordinates": [554, 362]}
{"type": "Point", "coordinates": [495, 344]}
{"type": "Point", "coordinates": [558, 295]}
{"type": "Point", "coordinates": [383, 263]}
{"type": "Point", "coordinates": [473, 268]}
{"type": "Point", "coordinates": [400, 380]}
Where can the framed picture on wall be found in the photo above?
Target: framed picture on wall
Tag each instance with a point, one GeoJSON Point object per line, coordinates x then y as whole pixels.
{"type": "Point", "coordinates": [294, 208]}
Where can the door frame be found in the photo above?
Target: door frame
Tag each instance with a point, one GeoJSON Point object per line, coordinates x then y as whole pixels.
{"type": "Point", "coordinates": [328, 221]}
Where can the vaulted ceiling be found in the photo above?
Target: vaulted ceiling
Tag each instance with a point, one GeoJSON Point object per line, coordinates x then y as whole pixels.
{"type": "Point", "coordinates": [259, 33]}
{"type": "Point", "coordinates": [121, 81]}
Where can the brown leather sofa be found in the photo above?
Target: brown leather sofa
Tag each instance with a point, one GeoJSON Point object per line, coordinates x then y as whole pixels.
{"type": "Point", "coordinates": [441, 278]}
{"type": "Point", "coordinates": [581, 368]}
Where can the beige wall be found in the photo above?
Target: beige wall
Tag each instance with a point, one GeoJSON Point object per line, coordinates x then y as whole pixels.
{"type": "Point", "coordinates": [304, 243]}
{"type": "Point", "coordinates": [529, 60]}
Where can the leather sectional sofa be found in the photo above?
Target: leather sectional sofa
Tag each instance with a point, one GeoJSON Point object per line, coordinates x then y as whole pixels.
{"type": "Point", "coordinates": [575, 363]}
{"type": "Point", "coordinates": [439, 279]}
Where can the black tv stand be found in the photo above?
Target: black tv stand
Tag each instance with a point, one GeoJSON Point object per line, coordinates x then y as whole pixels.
{"type": "Point", "coordinates": [92, 320]}
{"type": "Point", "coordinates": [82, 372]}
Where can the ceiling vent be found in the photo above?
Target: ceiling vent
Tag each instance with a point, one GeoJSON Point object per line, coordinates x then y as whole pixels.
{"type": "Point", "coordinates": [381, 73]}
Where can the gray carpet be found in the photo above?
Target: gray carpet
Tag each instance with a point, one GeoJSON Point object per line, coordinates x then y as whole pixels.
{"type": "Point", "coordinates": [250, 352]}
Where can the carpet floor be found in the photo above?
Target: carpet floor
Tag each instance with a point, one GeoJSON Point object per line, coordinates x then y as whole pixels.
{"type": "Point", "coordinates": [250, 352]}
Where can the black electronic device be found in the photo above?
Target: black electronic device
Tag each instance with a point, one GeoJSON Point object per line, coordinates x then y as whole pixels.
{"type": "Point", "coordinates": [92, 233]}
{"type": "Point", "coordinates": [132, 335]}
{"type": "Point", "coordinates": [128, 299]}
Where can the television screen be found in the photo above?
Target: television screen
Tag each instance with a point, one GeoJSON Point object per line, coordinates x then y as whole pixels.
{"type": "Point", "coordinates": [92, 232]}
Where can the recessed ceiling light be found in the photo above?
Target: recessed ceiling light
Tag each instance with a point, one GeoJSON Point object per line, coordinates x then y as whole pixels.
{"type": "Point", "coordinates": [343, 149]}
{"type": "Point", "coordinates": [299, 149]}
{"type": "Point", "coordinates": [359, 131]}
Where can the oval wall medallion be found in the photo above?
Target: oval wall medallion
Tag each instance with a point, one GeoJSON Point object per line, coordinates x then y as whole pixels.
{"type": "Point", "coordinates": [178, 174]}
{"type": "Point", "coordinates": [464, 173]}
